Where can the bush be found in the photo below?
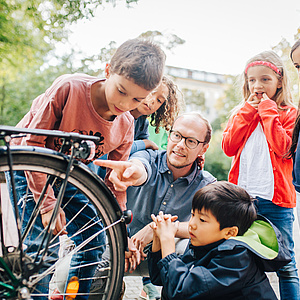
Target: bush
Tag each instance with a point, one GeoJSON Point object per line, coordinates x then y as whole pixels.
{"type": "Point", "coordinates": [216, 162]}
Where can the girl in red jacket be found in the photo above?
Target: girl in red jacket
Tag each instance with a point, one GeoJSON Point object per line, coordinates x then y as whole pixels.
{"type": "Point", "coordinates": [258, 136]}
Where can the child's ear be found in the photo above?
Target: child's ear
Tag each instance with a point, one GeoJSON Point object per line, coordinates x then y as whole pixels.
{"type": "Point", "coordinates": [231, 232]}
{"type": "Point", "coordinates": [107, 70]}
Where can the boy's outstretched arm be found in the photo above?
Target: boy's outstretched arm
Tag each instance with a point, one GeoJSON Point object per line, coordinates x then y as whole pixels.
{"type": "Point", "coordinates": [124, 173]}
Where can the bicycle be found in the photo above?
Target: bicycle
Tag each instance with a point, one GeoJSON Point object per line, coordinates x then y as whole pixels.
{"type": "Point", "coordinates": [26, 266]}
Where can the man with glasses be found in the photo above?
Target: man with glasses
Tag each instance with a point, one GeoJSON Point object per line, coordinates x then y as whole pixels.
{"type": "Point", "coordinates": [164, 180]}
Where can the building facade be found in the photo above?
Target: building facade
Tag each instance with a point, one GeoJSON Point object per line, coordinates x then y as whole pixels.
{"type": "Point", "coordinates": [208, 87]}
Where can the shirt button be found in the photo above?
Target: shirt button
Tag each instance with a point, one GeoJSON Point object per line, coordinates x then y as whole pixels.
{"type": "Point", "coordinates": [171, 185]}
{"type": "Point", "coordinates": [164, 203]}
{"type": "Point", "coordinates": [169, 172]}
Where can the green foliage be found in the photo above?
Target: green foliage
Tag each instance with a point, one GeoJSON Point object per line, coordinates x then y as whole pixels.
{"type": "Point", "coordinates": [195, 99]}
{"type": "Point", "coordinates": [18, 91]}
{"type": "Point", "coordinates": [226, 103]}
{"type": "Point", "coordinates": [164, 39]}
{"type": "Point", "coordinates": [283, 50]}
{"type": "Point", "coordinates": [28, 31]}
{"type": "Point", "coordinates": [216, 162]}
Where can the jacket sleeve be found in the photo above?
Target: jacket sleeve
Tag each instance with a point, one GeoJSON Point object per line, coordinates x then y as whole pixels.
{"type": "Point", "coordinates": [225, 271]}
{"type": "Point", "coordinates": [236, 129]}
{"type": "Point", "coordinates": [137, 145]}
{"type": "Point", "coordinates": [277, 128]}
{"type": "Point", "coordinates": [154, 272]}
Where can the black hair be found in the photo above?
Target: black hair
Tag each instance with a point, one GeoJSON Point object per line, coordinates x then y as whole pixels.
{"type": "Point", "coordinates": [230, 204]}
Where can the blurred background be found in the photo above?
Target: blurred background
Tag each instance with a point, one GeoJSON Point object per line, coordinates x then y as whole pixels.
{"type": "Point", "coordinates": [207, 44]}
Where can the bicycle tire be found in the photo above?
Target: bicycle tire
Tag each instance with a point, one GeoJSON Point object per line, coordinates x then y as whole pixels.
{"type": "Point", "coordinates": [100, 198]}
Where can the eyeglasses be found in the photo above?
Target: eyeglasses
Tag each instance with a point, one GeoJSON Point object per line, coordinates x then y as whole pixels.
{"type": "Point", "coordinates": [190, 142]}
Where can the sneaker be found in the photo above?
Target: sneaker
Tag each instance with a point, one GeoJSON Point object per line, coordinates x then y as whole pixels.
{"type": "Point", "coordinates": [151, 291]}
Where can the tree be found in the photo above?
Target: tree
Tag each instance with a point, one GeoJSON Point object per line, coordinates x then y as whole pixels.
{"type": "Point", "coordinates": [28, 32]}
{"type": "Point", "coordinates": [216, 162]}
{"type": "Point", "coordinates": [19, 90]}
{"type": "Point", "coordinates": [226, 103]}
{"type": "Point", "coordinates": [283, 49]}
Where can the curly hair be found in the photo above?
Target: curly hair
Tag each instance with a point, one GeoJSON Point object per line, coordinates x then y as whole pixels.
{"type": "Point", "coordinates": [169, 110]}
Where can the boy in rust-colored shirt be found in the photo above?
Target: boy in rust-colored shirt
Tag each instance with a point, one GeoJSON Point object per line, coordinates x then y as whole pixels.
{"type": "Point", "coordinates": [93, 106]}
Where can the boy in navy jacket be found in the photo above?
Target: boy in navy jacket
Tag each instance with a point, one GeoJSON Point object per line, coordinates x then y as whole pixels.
{"type": "Point", "coordinates": [229, 252]}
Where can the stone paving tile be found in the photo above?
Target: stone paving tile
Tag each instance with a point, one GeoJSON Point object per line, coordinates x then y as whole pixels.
{"type": "Point", "coordinates": [133, 287]}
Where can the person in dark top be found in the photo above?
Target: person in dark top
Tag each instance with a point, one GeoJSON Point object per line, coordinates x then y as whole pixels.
{"type": "Point", "coordinates": [229, 252]}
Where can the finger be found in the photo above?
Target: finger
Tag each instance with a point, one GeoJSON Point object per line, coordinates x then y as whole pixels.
{"type": "Point", "coordinates": [112, 164]}
{"type": "Point", "coordinates": [132, 264]}
{"type": "Point", "coordinates": [117, 183]}
{"type": "Point", "coordinates": [128, 172]}
{"type": "Point", "coordinates": [265, 96]}
{"type": "Point", "coordinates": [250, 98]}
{"type": "Point", "coordinates": [141, 248]}
{"type": "Point", "coordinates": [128, 254]}
{"type": "Point", "coordinates": [174, 218]}
{"type": "Point", "coordinates": [126, 265]}
{"type": "Point", "coordinates": [153, 224]}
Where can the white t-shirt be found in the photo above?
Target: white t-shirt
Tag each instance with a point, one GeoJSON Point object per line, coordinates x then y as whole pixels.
{"type": "Point", "coordinates": [256, 172]}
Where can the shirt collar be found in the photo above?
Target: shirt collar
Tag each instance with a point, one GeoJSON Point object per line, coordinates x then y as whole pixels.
{"type": "Point", "coordinates": [163, 168]}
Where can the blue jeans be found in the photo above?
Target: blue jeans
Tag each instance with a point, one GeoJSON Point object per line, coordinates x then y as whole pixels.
{"type": "Point", "coordinates": [33, 240]}
{"type": "Point", "coordinates": [283, 219]}
{"type": "Point", "coordinates": [100, 171]}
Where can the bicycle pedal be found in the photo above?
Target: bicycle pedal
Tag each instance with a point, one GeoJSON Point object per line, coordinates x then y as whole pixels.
{"type": "Point", "coordinates": [72, 288]}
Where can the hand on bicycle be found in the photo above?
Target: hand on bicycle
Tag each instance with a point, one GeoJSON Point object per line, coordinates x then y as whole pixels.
{"type": "Point", "coordinates": [124, 173]}
{"type": "Point", "coordinates": [132, 257]}
{"type": "Point", "coordinates": [142, 238]}
{"type": "Point", "coordinates": [60, 222]}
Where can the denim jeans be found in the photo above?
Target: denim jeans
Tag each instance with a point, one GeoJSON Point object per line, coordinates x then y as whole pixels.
{"type": "Point", "coordinates": [283, 219]}
{"type": "Point", "coordinates": [83, 257]}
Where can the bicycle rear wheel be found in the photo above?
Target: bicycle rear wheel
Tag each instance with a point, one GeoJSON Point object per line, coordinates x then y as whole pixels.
{"type": "Point", "coordinates": [93, 223]}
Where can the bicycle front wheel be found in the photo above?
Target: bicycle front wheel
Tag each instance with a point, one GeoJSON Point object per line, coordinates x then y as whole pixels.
{"type": "Point", "coordinates": [59, 265]}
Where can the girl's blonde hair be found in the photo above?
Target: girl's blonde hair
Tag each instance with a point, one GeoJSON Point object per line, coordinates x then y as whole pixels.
{"type": "Point", "coordinates": [169, 110]}
{"type": "Point", "coordinates": [283, 94]}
